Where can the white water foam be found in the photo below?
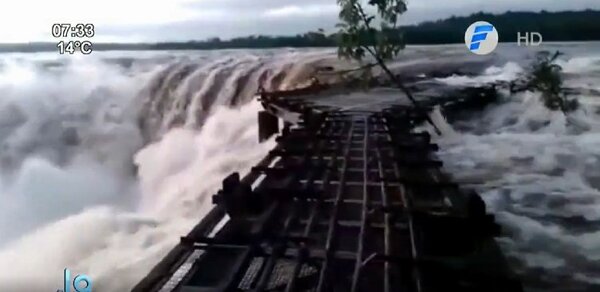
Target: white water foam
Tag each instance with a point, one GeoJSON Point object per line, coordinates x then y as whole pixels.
{"type": "Point", "coordinates": [580, 64]}
{"type": "Point", "coordinates": [508, 72]}
{"type": "Point", "coordinates": [116, 236]}
{"type": "Point", "coordinates": [177, 177]}
{"type": "Point", "coordinates": [69, 195]}
{"type": "Point", "coordinates": [539, 173]}
{"type": "Point", "coordinates": [66, 141]}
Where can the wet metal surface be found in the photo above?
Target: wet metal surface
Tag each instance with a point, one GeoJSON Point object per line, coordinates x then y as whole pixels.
{"type": "Point", "coordinates": [347, 201]}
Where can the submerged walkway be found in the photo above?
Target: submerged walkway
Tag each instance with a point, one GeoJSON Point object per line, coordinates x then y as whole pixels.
{"type": "Point", "coordinates": [347, 201]}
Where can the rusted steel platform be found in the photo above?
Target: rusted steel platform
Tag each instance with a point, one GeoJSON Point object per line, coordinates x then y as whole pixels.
{"type": "Point", "coordinates": [346, 201]}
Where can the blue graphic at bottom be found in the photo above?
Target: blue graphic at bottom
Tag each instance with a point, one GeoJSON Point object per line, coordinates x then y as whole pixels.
{"type": "Point", "coordinates": [81, 283]}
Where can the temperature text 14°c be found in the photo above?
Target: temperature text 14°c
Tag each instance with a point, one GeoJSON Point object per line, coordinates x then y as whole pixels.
{"type": "Point", "coordinates": [72, 47]}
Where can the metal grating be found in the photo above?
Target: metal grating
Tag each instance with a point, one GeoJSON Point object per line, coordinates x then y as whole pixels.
{"type": "Point", "coordinates": [350, 201]}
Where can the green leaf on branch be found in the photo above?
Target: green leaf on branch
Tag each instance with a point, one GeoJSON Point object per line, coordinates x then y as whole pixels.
{"type": "Point", "coordinates": [358, 36]}
{"type": "Point", "coordinates": [357, 29]}
{"type": "Point", "coordinates": [546, 77]}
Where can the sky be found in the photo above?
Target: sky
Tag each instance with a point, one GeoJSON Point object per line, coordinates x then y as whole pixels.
{"type": "Point", "coordinates": [180, 20]}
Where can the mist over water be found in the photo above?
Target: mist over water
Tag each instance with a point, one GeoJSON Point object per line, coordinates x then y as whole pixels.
{"type": "Point", "coordinates": [66, 140]}
{"type": "Point", "coordinates": [106, 160]}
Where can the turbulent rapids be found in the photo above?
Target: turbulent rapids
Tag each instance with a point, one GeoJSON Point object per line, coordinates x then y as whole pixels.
{"type": "Point", "coordinates": [185, 93]}
{"type": "Point", "coordinates": [107, 160]}
{"type": "Point", "coordinates": [74, 131]}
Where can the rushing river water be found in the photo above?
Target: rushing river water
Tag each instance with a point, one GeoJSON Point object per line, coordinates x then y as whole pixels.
{"type": "Point", "coordinates": [74, 130]}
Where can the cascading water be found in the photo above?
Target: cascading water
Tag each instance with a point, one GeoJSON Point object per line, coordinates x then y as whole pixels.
{"type": "Point", "coordinates": [185, 92]}
{"type": "Point", "coordinates": [106, 160]}
{"type": "Point", "coordinates": [78, 187]}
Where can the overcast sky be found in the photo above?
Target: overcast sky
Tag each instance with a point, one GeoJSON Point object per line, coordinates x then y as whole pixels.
{"type": "Point", "coordinates": [160, 20]}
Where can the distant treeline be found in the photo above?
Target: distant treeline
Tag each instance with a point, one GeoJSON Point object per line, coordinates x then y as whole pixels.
{"type": "Point", "coordinates": [554, 26]}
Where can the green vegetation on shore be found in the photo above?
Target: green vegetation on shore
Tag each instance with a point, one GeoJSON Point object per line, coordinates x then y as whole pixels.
{"type": "Point", "coordinates": [554, 26]}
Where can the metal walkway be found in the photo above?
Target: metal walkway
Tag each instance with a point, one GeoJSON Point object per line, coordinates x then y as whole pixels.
{"type": "Point", "coordinates": [347, 201]}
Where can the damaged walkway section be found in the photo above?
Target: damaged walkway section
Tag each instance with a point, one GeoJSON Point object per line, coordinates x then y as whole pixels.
{"type": "Point", "coordinates": [346, 201]}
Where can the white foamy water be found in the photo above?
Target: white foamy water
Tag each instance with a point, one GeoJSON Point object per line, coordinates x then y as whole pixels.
{"type": "Point", "coordinates": [67, 139]}
{"type": "Point", "coordinates": [107, 160]}
{"type": "Point", "coordinates": [539, 172]}
{"type": "Point", "coordinates": [116, 248]}
{"type": "Point", "coordinates": [508, 72]}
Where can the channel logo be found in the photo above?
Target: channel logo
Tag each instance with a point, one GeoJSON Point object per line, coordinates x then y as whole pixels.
{"type": "Point", "coordinates": [481, 38]}
{"type": "Point", "coordinates": [81, 283]}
